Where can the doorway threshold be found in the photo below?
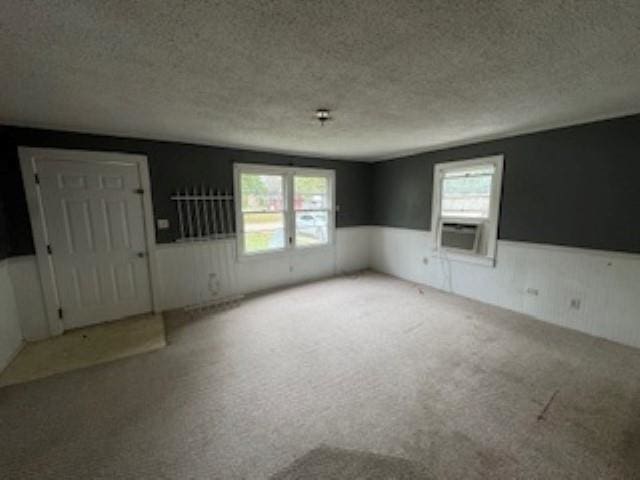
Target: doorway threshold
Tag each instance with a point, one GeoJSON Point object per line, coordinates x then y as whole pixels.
{"type": "Point", "coordinates": [84, 347]}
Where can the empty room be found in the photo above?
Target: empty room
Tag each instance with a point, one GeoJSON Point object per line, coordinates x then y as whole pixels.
{"type": "Point", "coordinates": [295, 239]}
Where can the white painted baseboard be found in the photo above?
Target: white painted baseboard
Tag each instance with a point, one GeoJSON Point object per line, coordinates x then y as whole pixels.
{"type": "Point", "coordinates": [10, 331]}
{"type": "Point", "coordinates": [537, 280]}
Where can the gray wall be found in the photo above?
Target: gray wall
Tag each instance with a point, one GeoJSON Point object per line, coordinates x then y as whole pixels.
{"type": "Point", "coordinates": [4, 233]}
{"type": "Point", "coordinates": [576, 186]}
{"type": "Point", "coordinates": [5, 189]}
{"type": "Point", "coordinates": [172, 166]}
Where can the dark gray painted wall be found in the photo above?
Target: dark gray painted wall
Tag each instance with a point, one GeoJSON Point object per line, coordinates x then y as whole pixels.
{"type": "Point", "coordinates": [4, 233]}
{"type": "Point", "coordinates": [576, 186]}
{"type": "Point", "coordinates": [171, 166]}
{"type": "Point", "coordinates": [10, 189]}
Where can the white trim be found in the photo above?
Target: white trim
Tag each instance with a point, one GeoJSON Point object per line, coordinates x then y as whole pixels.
{"type": "Point", "coordinates": [464, 257]}
{"type": "Point", "coordinates": [568, 249]}
{"type": "Point", "coordinates": [28, 157]}
{"type": "Point", "coordinates": [195, 241]}
{"type": "Point", "coordinates": [543, 246]}
{"type": "Point", "coordinates": [38, 227]}
{"type": "Point", "coordinates": [490, 225]}
{"type": "Point", "coordinates": [288, 173]}
{"type": "Point", "coordinates": [149, 229]}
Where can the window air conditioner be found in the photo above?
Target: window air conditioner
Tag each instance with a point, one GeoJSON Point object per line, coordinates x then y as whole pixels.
{"type": "Point", "coordinates": [463, 237]}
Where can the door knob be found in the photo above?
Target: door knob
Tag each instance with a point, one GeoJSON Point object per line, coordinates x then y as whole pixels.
{"type": "Point", "coordinates": [140, 254]}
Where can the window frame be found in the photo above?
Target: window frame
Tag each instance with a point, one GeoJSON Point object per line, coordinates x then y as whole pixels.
{"type": "Point", "coordinates": [490, 225]}
{"type": "Point", "coordinates": [288, 174]}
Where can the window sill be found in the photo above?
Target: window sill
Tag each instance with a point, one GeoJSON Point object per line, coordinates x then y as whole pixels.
{"type": "Point", "coordinates": [465, 258]}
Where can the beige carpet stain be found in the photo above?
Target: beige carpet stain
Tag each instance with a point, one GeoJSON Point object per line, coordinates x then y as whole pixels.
{"type": "Point", "coordinates": [84, 347]}
{"type": "Point", "coordinates": [341, 464]}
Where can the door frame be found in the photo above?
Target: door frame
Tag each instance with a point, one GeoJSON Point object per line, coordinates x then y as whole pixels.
{"type": "Point", "coordinates": [28, 157]}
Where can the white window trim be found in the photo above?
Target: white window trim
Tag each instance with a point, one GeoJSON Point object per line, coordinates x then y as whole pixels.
{"type": "Point", "coordinates": [439, 170]}
{"type": "Point", "coordinates": [289, 213]}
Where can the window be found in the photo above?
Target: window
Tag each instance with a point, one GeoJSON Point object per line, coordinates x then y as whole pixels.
{"type": "Point", "coordinates": [311, 204]}
{"type": "Point", "coordinates": [283, 208]}
{"type": "Point", "coordinates": [466, 206]}
{"type": "Point", "coordinates": [466, 192]}
{"type": "Point", "coordinates": [263, 212]}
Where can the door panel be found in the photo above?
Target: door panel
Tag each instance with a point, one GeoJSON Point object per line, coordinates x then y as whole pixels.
{"type": "Point", "coordinates": [95, 223]}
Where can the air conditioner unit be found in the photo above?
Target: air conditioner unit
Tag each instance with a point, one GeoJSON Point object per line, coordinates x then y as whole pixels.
{"type": "Point", "coordinates": [462, 237]}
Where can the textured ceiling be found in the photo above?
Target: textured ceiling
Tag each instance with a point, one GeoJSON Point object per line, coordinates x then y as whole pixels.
{"type": "Point", "coordinates": [400, 76]}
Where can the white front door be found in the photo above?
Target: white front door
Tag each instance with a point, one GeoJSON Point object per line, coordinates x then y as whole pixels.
{"type": "Point", "coordinates": [94, 220]}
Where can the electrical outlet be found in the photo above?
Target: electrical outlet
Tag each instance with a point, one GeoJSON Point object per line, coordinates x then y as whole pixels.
{"type": "Point", "coordinates": [163, 224]}
{"type": "Point", "coordinates": [575, 303]}
{"type": "Point", "coordinates": [532, 291]}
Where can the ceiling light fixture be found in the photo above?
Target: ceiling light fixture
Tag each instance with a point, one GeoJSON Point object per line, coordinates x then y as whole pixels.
{"type": "Point", "coordinates": [323, 114]}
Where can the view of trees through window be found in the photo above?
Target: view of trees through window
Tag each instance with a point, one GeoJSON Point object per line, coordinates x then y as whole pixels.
{"type": "Point", "coordinates": [264, 211]}
{"type": "Point", "coordinates": [467, 193]}
{"type": "Point", "coordinates": [311, 203]}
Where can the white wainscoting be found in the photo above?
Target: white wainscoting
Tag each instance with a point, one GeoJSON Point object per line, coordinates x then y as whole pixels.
{"type": "Point", "coordinates": [605, 283]}
{"type": "Point", "coordinates": [538, 280]}
{"type": "Point", "coordinates": [10, 331]}
{"type": "Point", "coordinates": [195, 273]}
{"type": "Point", "coordinates": [200, 272]}
{"type": "Point", "coordinates": [29, 299]}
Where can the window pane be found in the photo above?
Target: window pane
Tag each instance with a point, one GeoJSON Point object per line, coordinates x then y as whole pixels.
{"type": "Point", "coordinates": [261, 193]}
{"type": "Point", "coordinates": [263, 232]}
{"type": "Point", "coordinates": [467, 193]}
{"type": "Point", "coordinates": [471, 171]}
{"type": "Point", "coordinates": [310, 193]}
{"type": "Point", "coordinates": [312, 228]}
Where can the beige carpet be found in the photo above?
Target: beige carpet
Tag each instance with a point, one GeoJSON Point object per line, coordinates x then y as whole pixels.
{"type": "Point", "coordinates": [84, 347]}
{"type": "Point", "coordinates": [363, 377]}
